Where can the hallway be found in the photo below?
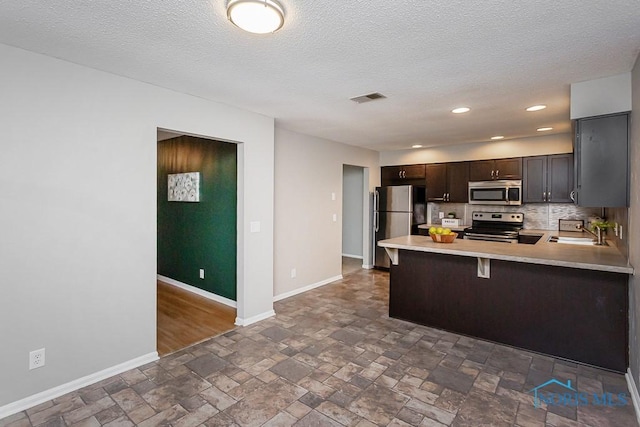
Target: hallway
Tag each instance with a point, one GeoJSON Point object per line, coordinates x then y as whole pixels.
{"type": "Point", "coordinates": [185, 318]}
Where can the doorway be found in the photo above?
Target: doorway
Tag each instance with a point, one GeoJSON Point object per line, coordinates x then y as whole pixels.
{"type": "Point", "coordinates": [354, 209]}
{"type": "Point", "coordinates": [197, 239]}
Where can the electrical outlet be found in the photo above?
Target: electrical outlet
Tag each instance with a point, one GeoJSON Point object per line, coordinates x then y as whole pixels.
{"type": "Point", "coordinates": [293, 273]}
{"type": "Point", "coordinates": [440, 215]}
{"type": "Point", "coordinates": [36, 359]}
{"type": "Point", "coordinates": [202, 273]}
{"type": "Point", "coordinates": [335, 217]}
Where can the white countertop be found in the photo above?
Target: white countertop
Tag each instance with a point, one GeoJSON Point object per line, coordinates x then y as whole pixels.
{"type": "Point", "coordinates": [601, 258]}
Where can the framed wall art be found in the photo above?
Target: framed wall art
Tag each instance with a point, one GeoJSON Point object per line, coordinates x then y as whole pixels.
{"type": "Point", "coordinates": [184, 187]}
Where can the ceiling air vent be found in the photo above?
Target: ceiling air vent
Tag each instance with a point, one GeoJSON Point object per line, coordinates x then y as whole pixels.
{"type": "Point", "coordinates": [368, 98]}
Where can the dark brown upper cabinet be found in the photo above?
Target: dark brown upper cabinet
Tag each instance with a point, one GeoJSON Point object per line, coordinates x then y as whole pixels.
{"type": "Point", "coordinates": [448, 182]}
{"type": "Point", "coordinates": [547, 179]}
{"type": "Point", "coordinates": [399, 175]}
{"type": "Point", "coordinates": [487, 170]}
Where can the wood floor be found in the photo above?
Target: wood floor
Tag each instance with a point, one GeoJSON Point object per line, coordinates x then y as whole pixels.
{"type": "Point", "coordinates": [185, 318]}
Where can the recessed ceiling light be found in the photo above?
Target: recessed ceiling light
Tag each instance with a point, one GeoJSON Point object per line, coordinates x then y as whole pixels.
{"type": "Point", "coordinates": [536, 107]}
{"type": "Point", "coordinates": [416, 146]}
{"type": "Point", "coordinates": [544, 129]}
{"type": "Point", "coordinates": [497, 137]}
{"type": "Point", "coordinates": [256, 16]}
{"type": "Point", "coordinates": [460, 110]}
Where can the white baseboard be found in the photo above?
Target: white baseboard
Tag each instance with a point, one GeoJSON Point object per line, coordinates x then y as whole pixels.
{"type": "Point", "coordinates": [306, 288]}
{"type": "Point", "coordinates": [635, 397]}
{"type": "Point", "coordinates": [367, 266]}
{"type": "Point", "coordinates": [198, 291]}
{"type": "Point", "coordinates": [248, 321]}
{"type": "Point", "coordinates": [352, 256]}
{"type": "Point", "coordinates": [52, 393]}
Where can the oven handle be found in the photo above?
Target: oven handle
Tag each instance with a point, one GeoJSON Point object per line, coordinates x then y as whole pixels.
{"type": "Point", "coordinates": [488, 237]}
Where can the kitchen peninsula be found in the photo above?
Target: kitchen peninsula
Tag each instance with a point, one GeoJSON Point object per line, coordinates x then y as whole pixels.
{"type": "Point", "coordinates": [566, 301]}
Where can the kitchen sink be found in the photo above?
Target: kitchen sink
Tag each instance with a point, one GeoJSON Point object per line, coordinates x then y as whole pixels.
{"type": "Point", "coordinates": [588, 241]}
{"type": "Point", "coordinates": [529, 239]}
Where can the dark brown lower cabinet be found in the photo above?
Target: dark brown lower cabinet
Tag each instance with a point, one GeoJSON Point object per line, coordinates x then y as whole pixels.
{"type": "Point", "coordinates": [574, 314]}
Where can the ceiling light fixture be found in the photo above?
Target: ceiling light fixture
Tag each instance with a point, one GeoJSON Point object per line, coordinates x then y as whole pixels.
{"type": "Point", "coordinates": [536, 107]}
{"type": "Point", "coordinates": [416, 146]}
{"type": "Point", "coordinates": [256, 16]}
{"type": "Point", "coordinates": [497, 137]}
{"type": "Point", "coordinates": [544, 129]}
{"type": "Point", "coordinates": [460, 110]}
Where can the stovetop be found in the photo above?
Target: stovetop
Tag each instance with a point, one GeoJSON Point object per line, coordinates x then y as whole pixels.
{"type": "Point", "coordinates": [506, 224]}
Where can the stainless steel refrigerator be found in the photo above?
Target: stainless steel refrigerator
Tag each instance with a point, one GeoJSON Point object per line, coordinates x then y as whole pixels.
{"type": "Point", "coordinates": [397, 211]}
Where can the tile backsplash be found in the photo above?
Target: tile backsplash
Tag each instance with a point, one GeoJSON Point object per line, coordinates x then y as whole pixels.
{"type": "Point", "coordinates": [543, 216]}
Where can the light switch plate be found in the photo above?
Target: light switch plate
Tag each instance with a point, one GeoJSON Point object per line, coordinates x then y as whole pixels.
{"type": "Point", "coordinates": [571, 225]}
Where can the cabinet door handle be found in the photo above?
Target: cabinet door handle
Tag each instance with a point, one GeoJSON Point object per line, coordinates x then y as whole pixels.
{"type": "Point", "coordinates": [549, 196]}
{"type": "Point", "coordinates": [399, 174]}
{"type": "Point", "coordinates": [572, 196]}
{"type": "Point", "coordinates": [497, 173]}
{"type": "Point", "coordinates": [448, 197]}
{"type": "Point", "coordinates": [404, 174]}
{"type": "Point", "coordinates": [544, 196]}
{"type": "Point", "coordinates": [444, 197]}
{"type": "Point", "coordinates": [492, 174]}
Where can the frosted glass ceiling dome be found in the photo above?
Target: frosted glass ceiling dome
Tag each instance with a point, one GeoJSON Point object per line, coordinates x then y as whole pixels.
{"type": "Point", "coordinates": [256, 16]}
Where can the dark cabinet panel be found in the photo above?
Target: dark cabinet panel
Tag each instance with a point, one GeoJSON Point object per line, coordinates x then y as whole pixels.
{"type": "Point", "coordinates": [487, 170]}
{"type": "Point", "coordinates": [481, 170]}
{"type": "Point", "coordinates": [448, 182]}
{"type": "Point", "coordinates": [400, 175]}
{"type": "Point", "coordinates": [390, 174]}
{"type": "Point", "coordinates": [602, 162]}
{"type": "Point", "coordinates": [436, 182]}
{"type": "Point", "coordinates": [560, 178]}
{"type": "Point", "coordinates": [534, 183]}
{"type": "Point", "coordinates": [458, 182]}
{"type": "Point", "coordinates": [414, 171]}
{"type": "Point", "coordinates": [514, 304]}
{"type": "Point", "coordinates": [547, 178]}
{"type": "Point", "coordinates": [508, 168]}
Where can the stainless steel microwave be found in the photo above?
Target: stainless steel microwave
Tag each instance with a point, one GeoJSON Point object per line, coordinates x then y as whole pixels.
{"type": "Point", "coordinates": [498, 192]}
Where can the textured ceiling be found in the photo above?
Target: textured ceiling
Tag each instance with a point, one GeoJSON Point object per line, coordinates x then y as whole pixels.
{"type": "Point", "coordinates": [426, 57]}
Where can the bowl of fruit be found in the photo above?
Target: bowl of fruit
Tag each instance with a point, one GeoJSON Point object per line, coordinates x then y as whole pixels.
{"type": "Point", "coordinates": [442, 235]}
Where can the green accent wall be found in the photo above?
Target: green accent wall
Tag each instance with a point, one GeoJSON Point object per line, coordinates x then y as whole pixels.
{"type": "Point", "coordinates": [199, 235]}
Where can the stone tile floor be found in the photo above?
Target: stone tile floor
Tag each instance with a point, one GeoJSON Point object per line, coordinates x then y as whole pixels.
{"type": "Point", "coordinates": [332, 357]}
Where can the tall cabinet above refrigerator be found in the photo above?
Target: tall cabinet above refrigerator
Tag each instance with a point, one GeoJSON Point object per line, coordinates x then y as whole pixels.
{"type": "Point", "coordinates": [398, 210]}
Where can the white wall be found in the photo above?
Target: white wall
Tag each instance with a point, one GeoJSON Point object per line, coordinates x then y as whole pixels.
{"type": "Point", "coordinates": [308, 170]}
{"type": "Point", "coordinates": [78, 216]}
{"type": "Point", "coordinates": [541, 145]}
{"type": "Point", "coordinates": [352, 210]}
{"type": "Point", "coordinates": [598, 97]}
{"type": "Point", "coordinates": [633, 234]}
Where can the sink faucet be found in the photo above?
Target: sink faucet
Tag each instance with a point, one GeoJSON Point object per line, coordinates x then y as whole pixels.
{"type": "Point", "coordinates": [598, 234]}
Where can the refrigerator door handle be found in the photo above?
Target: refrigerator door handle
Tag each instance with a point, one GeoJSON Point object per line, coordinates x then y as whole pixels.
{"type": "Point", "coordinates": [376, 221]}
{"type": "Point", "coordinates": [376, 201]}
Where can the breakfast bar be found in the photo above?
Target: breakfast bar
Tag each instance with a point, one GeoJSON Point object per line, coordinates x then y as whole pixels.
{"type": "Point", "coordinates": [566, 301]}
